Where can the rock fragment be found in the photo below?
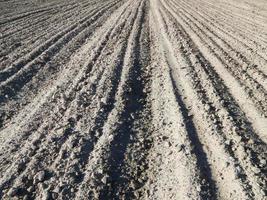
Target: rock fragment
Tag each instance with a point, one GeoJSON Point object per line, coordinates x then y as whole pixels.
{"type": "Point", "coordinates": [39, 177]}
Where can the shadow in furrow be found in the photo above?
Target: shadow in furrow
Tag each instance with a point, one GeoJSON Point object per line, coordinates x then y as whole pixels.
{"type": "Point", "coordinates": [208, 190]}
{"type": "Point", "coordinates": [104, 112]}
{"type": "Point", "coordinates": [135, 100]}
{"type": "Point", "coordinates": [230, 104]}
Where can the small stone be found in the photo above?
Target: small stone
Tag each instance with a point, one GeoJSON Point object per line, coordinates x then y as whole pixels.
{"type": "Point", "coordinates": [250, 141]}
{"type": "Point", "coordinates": [97, 133]}
{"type": "Point", "coordinates": [100, 171]}
{"type": "Point", "coordinates": [104, 179]}
{"type": "Point", "coordinates": [26, 197]}
{"type": "Point", "coordinates": [231, 159]}
{"type": "Point", "coordinates": [256, 170]}
{"type": "Point", "coordinates": [207, 107]}
{"type": "Point", "coordinates": [227, 142]}
{"type": "Point", "coordinates": [238, 139]}
{"type": "Point", "coordinates": [238, 171]}
{"type": "Point", "coordinates": [103, 101]}
{"type": "Point", "coordinates": [234, 129]}
{"type": "Point", "coordinates": [262, 162]}
{"type": "Point", "coordinates": [41, 186]}
{"type": "Point", "coordinates": [81, 141]}
{"type": "Point", "coordinates": [30, 189]}
{"type": "Point", "coordinates": [57, 189]}
{"type": "Point", "coordinates": [39, 177]}
{"type": "Point", "coordinates": [248, 151]}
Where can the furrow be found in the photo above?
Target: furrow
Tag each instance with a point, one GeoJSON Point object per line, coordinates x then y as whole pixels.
{"type": "Point", "coordinates": [123, 169]}
{"type": "Point", "coordinates": [52, 46]}
{"type": "Point", "coordinates": [24, 15]}
{"type": "Point", "coordinates": [234, 44]}
{"type": "Point", "coordinates": [64, 109]}
{"type": "Point", "coordinates": [252, 87]}
{"type": "Point", "coordinates": [240, 42]}
{"type": "Point", "coordinates": [179, 146]}
{"type": "Point", "coordinates": [251, 178]}
{"type": "Point", "coordinates": [241, 25]}
{"type": "Point", "coordinates": [36, 166]}
{"type": "Point", "coordinates": [133, 99]}
{"type": "Point", "coordinates": [43, 33]}
{"type": "Point", "coordinates": [244, 101]}
{"type": "Point", "coordinates": [96, 175]}
{"type": "Point", "coordinates": [50, 68]}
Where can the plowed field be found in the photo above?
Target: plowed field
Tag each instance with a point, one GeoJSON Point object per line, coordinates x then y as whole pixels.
{"type": "Point", "coordinates": [133, 99]}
